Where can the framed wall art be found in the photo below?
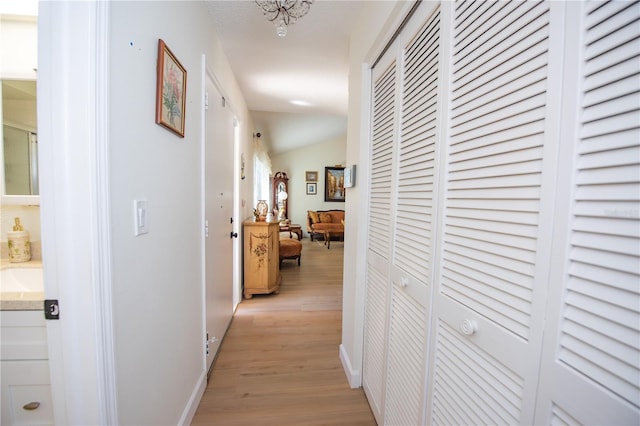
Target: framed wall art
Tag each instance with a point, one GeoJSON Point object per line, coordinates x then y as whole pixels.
{"type": "Point", "coordinates": [334, 184]}
{"type": "Point", "coordinates": [311, 176]}
{"type": "Point", "coordinates": [171, 91]}
{"type": "Point", "coordinates": [312, 188]}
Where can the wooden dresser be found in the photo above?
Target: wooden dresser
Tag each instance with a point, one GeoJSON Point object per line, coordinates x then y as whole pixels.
{"type": "Point", "coordinates": [261, 258]}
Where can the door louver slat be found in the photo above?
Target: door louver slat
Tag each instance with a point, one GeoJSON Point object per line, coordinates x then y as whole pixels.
{"type": "Point", "coordinates": [374, 335]}
{"type": "Point", "coordinates": [407, 341]}
{"type": "Point", "coordinates": [381, 162]}
{"type": "Point", "coordinates": [486, 168]}
{"type": "Point", "coordinates": [600, 323]}
{"type": "Point", "coordinates": [476, 388]}
{"type": "Point", "coordinates": [412, 245]}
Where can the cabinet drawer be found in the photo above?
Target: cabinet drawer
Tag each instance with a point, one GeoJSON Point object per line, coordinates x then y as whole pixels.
{"type": "Point", "coordinates": [22, 383]}
{"type": "Point", "coordinates": [23, 335]}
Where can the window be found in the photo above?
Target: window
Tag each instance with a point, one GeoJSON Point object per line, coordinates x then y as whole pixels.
{"type": "Point", "coordinates": [261, 171]}
{"type": "Point", "coordinates": [260, 180]}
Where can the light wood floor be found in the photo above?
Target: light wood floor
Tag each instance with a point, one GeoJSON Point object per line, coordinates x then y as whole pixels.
{"type": "Point", "coordinates": [279, 362]}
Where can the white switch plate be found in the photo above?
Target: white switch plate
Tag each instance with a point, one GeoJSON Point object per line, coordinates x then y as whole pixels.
{"type": "Point", "coordinates": [141, 219]}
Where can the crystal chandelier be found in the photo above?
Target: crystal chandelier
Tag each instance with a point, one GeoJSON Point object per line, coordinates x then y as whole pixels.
{"type": "Point", "coordinates": [284, 12]}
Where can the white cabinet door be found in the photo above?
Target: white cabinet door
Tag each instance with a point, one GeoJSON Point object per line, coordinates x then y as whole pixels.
{"type": "Point", "coordinates": [591, 363]}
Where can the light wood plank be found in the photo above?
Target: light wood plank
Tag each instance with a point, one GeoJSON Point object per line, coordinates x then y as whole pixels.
{"type": "Point", "coordinates": [279, 362]}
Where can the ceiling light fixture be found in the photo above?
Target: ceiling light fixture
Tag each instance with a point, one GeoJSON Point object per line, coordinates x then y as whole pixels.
{"type": "Point", "coordinates": [284, 12]}
{"type": "Point", "coordinates": [301, 103]}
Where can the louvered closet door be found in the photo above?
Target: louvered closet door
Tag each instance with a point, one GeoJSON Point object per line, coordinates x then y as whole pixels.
{"type": "Point", "coordinates": [384, 133]}
{"type": "Point", "coordinates": [489, 303]}
{"type": "Point", "coordinates": [591, 368]}
{"type": "Point", "coordinates": [412, 270]}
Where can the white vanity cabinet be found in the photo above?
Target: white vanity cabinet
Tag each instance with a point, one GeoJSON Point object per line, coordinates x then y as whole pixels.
{"type": "Point", "coordinates": [24, 369]}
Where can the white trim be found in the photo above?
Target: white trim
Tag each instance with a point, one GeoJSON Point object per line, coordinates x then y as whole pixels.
{"type": "Point", "coordinates": [237, 220]}
{"type": "Point", "coordinates": [72, 127]}
{"type": "Point", "coordinates": [353, 376]}
{"type": "Point", "coordinates": [194, 401]}
{"type": "Point", "coordinates": [106, 362]}
{"type": "Point", "coordinates": [203, 251]}
{"type": "Point", "coordinates": [20, 200]}
{"type": "Point", "coordinates": [363, 217]}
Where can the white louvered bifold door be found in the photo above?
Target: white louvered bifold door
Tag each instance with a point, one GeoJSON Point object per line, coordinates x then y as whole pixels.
{"type": "Point", "coordinates": [412, 263]}
{"type": "Point", "coordinates": [383, 136]}
{"type": "Point", "coordinates": [591, 363]}
{"type": "Point", "coordinates": [490, 298]}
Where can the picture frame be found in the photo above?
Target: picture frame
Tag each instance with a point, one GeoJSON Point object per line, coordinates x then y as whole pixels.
{"type": "Point", "coordinates": [171, 90]}
{"type": "Point", "coordinates": [350, 176]}
{"type": "Point", "coordinates": [311, 176]}
{"type": "Point", "coordinates": [334, 189]}
{"type": "Point", "coordinates": [312, 188]}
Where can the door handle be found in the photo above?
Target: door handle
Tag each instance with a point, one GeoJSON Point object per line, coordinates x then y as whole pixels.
{"type": "Point", "coordinates": [233, 234]}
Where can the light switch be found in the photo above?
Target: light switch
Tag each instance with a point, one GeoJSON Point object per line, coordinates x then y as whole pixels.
{"type": "Point", "coordinates": [141, 219]}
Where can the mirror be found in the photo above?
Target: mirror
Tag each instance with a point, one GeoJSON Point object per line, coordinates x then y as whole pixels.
{"type": "Point", "coordinates": [281, 195]}
{"type": "Point", "coordinates": [19, 142]}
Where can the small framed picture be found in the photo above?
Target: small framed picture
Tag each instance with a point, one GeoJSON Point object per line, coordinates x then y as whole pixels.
{"type": "Point", "coordinates": [311, 176]}
{"type": "Point", "coordinates": [312, 188]}
{"type": "Point", "coordinates": [171, 91]}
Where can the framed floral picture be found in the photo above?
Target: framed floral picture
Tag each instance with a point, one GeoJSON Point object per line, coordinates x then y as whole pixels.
{"type": "Point", "coordinates": [171, 91]}
{"type": "Point", "coordinates": [311, 176]}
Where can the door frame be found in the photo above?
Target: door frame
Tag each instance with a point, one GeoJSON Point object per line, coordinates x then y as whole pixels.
{"type": "Point", "coordinates": [75, 216]}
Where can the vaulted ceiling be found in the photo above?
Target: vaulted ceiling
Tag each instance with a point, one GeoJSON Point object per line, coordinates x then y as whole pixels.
{"type": "Point", "coordinates": [296, 87]}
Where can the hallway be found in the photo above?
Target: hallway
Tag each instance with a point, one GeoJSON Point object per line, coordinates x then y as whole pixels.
{"type": "Point", "coordinates": [279, 363]}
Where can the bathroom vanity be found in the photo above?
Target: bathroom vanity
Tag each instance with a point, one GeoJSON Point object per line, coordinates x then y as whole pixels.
{"type": "Point", "coordinates": [25, 384]}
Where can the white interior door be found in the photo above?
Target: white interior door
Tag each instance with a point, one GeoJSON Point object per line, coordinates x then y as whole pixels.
{"type": "Point", "coordinates": [219, 202]}
{"type": "Point", "coordinates": [383, 134]}
{"type": "Point", "coordinates": [493, 256]}
{"type": "Point", "coordinates": [414, 213]}
{"type": "Point", "coordinates": [400, 247]}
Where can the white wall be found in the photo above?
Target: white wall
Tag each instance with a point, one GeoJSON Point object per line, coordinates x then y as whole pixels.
{"type": "Point", "coordinates": [309, 158]}
{"type": "Point", "coordinates": [157, 280]}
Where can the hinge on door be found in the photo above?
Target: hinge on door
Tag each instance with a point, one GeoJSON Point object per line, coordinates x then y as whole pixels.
{"type": "Point", "coordinates": [224, 102]}
{"type": "Point", "coordinates": [206, 100]}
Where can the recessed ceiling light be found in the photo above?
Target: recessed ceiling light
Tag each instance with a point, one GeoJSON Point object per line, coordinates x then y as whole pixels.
{"type": "Point", "coordinates": [301, 103]}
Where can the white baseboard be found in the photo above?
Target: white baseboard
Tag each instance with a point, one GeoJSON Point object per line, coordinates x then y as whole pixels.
{"type": "Point", "coordinates": [194, 401]}
{"type": "Point", "coordinates": [353, 376]}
